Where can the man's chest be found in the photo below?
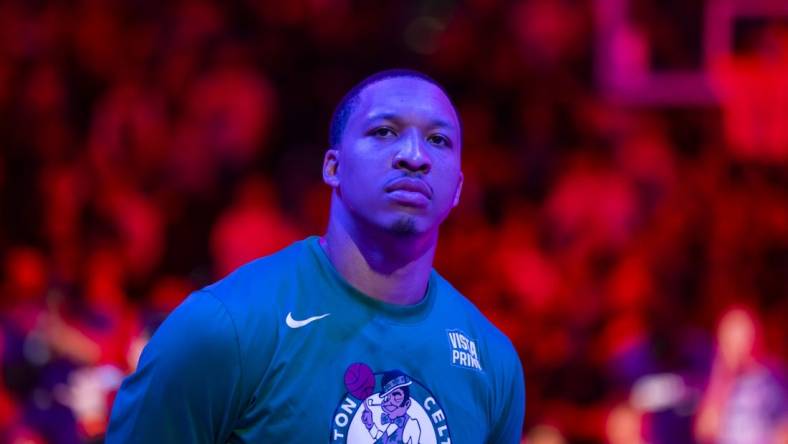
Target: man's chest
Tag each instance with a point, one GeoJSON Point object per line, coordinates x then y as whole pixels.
{"type": "Point", "coordinates": [370, 381]}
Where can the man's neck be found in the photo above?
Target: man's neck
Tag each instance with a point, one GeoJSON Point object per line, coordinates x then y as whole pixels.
{"type": "Point", "coordinates": [387, 267]}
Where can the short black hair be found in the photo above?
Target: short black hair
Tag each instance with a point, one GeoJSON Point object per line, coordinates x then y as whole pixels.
{"type": "Point", "coordinates": [350, 101]}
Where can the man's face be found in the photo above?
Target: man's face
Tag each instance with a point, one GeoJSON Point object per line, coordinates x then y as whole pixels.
{"type": "Point", "coordinates": [395, 404]}
{"type": "Point", "coordinates": [398, 164]}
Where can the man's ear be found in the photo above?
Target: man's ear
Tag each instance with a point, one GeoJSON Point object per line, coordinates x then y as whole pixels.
{"type": "Point", "coordinates": [331, 168]}
{"type": "Point", "coordinates": [458, 191]}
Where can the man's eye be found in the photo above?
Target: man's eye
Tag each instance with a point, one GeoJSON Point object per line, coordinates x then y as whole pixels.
{"type": "Point", "coordinates": [383, 132]}
{"type": "Point", "coordinates": [437, 139]}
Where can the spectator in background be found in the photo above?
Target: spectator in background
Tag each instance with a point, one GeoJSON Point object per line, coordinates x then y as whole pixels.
{"type": "Point", "coordinates": [250, 227]}
{"type": "Point", "coordinates": [745, 401]}
{"type": "Point", "coordinates": [39, 350]}
{"type": "Point", "coordinates": [226, 122]}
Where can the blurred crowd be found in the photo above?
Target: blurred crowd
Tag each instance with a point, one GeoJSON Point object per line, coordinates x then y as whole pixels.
{"type": "Point", "coordinates": [636, 255]}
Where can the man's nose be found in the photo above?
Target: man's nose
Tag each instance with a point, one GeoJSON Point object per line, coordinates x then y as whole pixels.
{"type": "Point", "coordinates": [412, 154]}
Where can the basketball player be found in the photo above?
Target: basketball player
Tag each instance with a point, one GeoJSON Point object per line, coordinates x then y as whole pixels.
{"type": "Point", "coordinates": [300, 346]}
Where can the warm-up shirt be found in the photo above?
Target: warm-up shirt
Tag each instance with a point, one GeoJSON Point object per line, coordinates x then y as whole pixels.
{"type": "Point", "coordinates": [284, 350]}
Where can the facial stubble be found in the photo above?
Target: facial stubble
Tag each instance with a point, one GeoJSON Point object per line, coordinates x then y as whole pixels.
{"type": "Point", "coordinates": [404, 226]}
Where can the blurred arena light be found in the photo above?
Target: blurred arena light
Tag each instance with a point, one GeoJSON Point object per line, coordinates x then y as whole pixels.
{"type": "Point", "coordinates": [544, 434]}
{"type": "Point", "coordinates": [658, 392]}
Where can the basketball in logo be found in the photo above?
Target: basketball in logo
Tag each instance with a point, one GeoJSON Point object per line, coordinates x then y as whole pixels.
{"type": "Point", "coordinates": [359, 380]}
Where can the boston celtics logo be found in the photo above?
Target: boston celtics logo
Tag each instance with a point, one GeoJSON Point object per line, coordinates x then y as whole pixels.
{"type": "Point", "coordinates": [387, 407]}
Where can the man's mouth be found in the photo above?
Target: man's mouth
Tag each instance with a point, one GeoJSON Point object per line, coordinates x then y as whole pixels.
{"type": "Point", "coordinates": [410, 185]}
{"type": "Point", "coordinates": [409, 191]}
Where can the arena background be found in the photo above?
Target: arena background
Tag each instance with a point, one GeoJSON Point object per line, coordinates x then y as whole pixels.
{"type": "Point", "coordinates": [626, 189]}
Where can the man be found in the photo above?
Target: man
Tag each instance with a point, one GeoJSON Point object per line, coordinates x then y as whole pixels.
{"type": "Point", "coordinates": [290, 347]}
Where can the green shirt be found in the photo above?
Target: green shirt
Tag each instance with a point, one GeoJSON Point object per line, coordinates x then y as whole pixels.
{"type": "Point", "coordinates": [284, 350]}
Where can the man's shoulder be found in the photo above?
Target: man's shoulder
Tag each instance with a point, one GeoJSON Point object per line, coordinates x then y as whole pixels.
{"type": "Point", "coordinates": [255, 297]}
{"type": "Point", "coordinates": [258, 291]}
{"type": "Point", "coordinates": [455, 304]}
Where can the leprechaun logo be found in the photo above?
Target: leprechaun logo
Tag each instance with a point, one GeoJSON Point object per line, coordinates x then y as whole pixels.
{"type": "Point", "coordinates": [387, 407]}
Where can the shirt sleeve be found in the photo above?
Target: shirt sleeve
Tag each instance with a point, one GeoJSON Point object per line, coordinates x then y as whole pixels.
{"type": "Point", "coordinates": [508, 428]}
{"type": "Point", "coordinates": [187, 386]}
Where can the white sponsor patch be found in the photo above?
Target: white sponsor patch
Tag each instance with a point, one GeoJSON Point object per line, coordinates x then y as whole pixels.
{"type": "Point", "coordinates": [464, 352]}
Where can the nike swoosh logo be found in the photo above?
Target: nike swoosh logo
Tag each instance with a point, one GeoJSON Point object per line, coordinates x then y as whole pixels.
{"type": "Point", "coordinates": [292, 323]}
